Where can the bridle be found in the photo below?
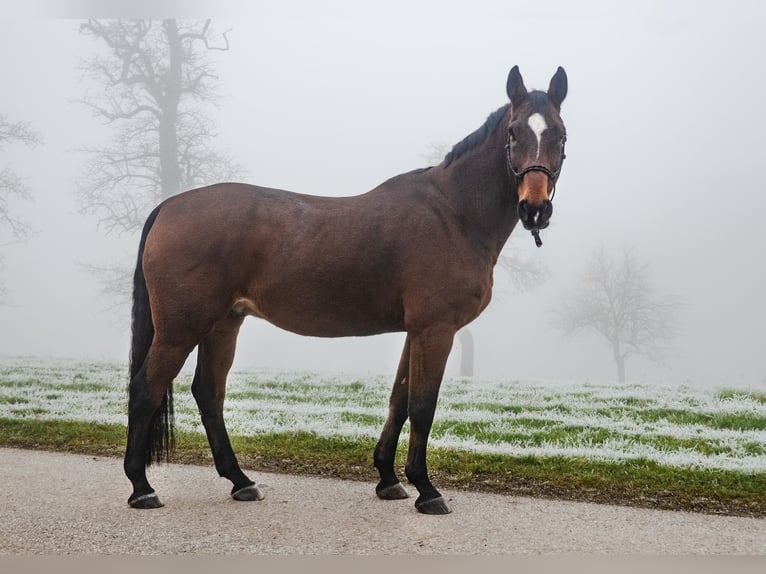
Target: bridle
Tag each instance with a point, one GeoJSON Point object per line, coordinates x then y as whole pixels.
{"type": "Point", "coordinates": [553, 176]}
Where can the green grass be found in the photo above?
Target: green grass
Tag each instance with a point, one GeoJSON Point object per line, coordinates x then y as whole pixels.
{"type": "Point", "coordinates": [736, 421]}
{"type": "Point", "coordinates": [13, 400]}
{"type": "Point", "coordinates": [662, 447]}
{"type": "Point", "coordinates": [754, 396]}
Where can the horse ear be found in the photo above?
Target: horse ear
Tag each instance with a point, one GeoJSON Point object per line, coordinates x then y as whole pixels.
{"type": "Point", "coordinates": [514, 87]}
{"type": "Point", "coordinates": [557, 90]}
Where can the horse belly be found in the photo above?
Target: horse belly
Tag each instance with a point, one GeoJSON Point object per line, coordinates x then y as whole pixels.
{"type": "Point", "coordinates": [321, 309]}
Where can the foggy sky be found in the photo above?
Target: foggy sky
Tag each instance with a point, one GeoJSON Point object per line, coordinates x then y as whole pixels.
{"type": "Point", "coordinates": [665, 152]}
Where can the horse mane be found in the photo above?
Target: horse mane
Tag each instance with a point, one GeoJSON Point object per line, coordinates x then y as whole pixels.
{"type": "Point", "coordinates": [472, 140]}
{"type": "Point", "coordinates": [539, 101]}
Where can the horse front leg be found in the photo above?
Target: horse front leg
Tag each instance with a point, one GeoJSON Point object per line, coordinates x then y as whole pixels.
{"type": "Point", "coordinates": [389, 487]}
{"type": "Point", "coordinates": [428, 358]}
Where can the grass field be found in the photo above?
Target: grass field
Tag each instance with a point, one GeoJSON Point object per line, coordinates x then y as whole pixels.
{"type": "Point", "coordinates": [672, 447]}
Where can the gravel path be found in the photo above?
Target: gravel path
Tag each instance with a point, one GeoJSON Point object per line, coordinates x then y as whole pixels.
{"type": "Point", "coordinates": [74, 504]}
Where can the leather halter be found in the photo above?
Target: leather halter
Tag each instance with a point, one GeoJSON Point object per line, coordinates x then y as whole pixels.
{"type": "Point", "coordinates": [552, 175]}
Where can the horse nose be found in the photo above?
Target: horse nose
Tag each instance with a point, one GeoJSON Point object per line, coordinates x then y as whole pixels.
{"type": "Point", "coordinates": [535, 216]}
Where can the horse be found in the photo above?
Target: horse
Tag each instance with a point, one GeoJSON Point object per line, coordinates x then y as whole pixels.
{"type": "Point", "coordinates": [415, 255]}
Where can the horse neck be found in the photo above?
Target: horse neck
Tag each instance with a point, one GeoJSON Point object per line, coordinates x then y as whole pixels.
{"type": "Point", "coordinates": [481, 189]}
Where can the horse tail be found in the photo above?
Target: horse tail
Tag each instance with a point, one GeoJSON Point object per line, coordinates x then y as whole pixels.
{"type": "Point", "coordinates": [161, 440]}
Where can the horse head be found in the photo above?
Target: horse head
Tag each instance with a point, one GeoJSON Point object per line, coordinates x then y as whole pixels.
{"type": "Point", "coordinates": [535, 146]}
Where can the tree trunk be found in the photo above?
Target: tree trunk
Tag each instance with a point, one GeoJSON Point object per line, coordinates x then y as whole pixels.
{"type": "Point", "coordinates": [466, 352]}
{"type": "Point", "coordinates": [619, 359]}
{"type": "Point", "coordinates": [170, 96]}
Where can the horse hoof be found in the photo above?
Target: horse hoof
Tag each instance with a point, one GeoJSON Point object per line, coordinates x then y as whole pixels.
{"type": "Point", "coordinates": [250, 492]}
{"type": "Point", "coordinates": [432, 506]}
{"type": "Point", "coordinates": [393, 492]}
{"type": "Point", "coordinates": [150, 500]}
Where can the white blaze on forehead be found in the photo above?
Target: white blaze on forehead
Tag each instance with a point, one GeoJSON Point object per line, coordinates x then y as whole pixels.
{"type": "Point", "coordinates": [537, 124]}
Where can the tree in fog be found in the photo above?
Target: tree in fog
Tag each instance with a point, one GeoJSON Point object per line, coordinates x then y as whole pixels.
{"type": "Point", "coordinates": [153, 83]}
{"type": "Point", "coordinates": [523, 274]}
{"type": "Point", "coordinates": [12, 186]}
{"type": "Point", "coordinates": [616, 299]}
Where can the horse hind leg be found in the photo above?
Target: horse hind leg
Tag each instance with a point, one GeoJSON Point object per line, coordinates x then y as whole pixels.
{"type": "Point", "coordinates": [215, 357]}
{"type": "Point", "coordinates": [389, 487]}
{"type": "Point", "coordinates": [150, 418]}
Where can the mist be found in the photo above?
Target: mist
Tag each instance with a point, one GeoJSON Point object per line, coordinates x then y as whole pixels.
{"type": "Point", "coordinates": [664, 154]}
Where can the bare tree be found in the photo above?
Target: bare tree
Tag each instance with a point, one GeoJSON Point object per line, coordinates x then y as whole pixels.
{"type": "Point", "coordinates": [617, 300]}
{"type": "Point", "coordinates": [12, 186]}
{"type": "Point", "coordinates": [152, 85]}
{"type": "Point", "coordinates": [523, 274]}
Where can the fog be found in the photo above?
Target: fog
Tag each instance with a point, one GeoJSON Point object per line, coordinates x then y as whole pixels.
{"type": "Point", "coordinates": [665, 152]}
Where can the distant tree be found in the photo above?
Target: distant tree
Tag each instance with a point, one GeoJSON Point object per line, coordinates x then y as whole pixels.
{"type": "Point", "coordinates": [153, 84]}
{"type": "Point", "coordinates": [12, 186]}
{"type": "Point", "coordinates": [616, 300]}
{"type": "Point", "coordinates": [523, 274]}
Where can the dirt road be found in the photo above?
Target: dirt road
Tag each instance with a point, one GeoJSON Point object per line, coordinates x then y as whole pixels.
{"type": "Point", "coordinates": [73, 504]}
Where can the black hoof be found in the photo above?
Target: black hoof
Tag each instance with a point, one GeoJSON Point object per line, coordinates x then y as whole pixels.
{"type": "Point", "coordinates": [392, 492]}
{"type": "Point", "coordinates": [249, 492]}
{"type": "Point", "coordinates": [432, 506]}
{"type": "Point", "coordinates": [149, 500]}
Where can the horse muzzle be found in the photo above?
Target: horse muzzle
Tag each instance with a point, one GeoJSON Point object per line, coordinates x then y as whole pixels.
{"type": "Point", "coordinates": [535, 215]}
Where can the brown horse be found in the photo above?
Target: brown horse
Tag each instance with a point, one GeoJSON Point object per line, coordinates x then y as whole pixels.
{"type": "Point", "coordinates": [415, 254]}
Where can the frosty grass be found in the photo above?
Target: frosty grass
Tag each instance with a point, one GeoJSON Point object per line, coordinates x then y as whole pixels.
{"type": "Point", "coordinates": [674, 426]}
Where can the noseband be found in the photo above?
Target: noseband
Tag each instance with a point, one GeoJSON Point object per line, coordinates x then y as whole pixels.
{"type": "Point", "coordinates": [552, 175]}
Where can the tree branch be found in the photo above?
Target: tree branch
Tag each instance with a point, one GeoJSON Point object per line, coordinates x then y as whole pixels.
{"type": "Point", "coordinates": [202, 35]}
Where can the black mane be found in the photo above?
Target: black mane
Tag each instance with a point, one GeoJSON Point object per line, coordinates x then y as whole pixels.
{"type": "Point", "coordinates": [539, 101]}
{"type": "Point", "coordinates": [474, 139]}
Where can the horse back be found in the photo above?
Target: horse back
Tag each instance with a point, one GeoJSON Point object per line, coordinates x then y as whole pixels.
{"type": "Point", "coordinates": [313, 265]}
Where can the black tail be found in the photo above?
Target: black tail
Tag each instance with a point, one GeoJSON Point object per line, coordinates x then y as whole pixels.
{"type": "Point", "coordinates": [161, 440]}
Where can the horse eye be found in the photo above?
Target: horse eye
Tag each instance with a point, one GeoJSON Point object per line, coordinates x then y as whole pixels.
{"type": "Point", "coordinates": [511, 135]}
